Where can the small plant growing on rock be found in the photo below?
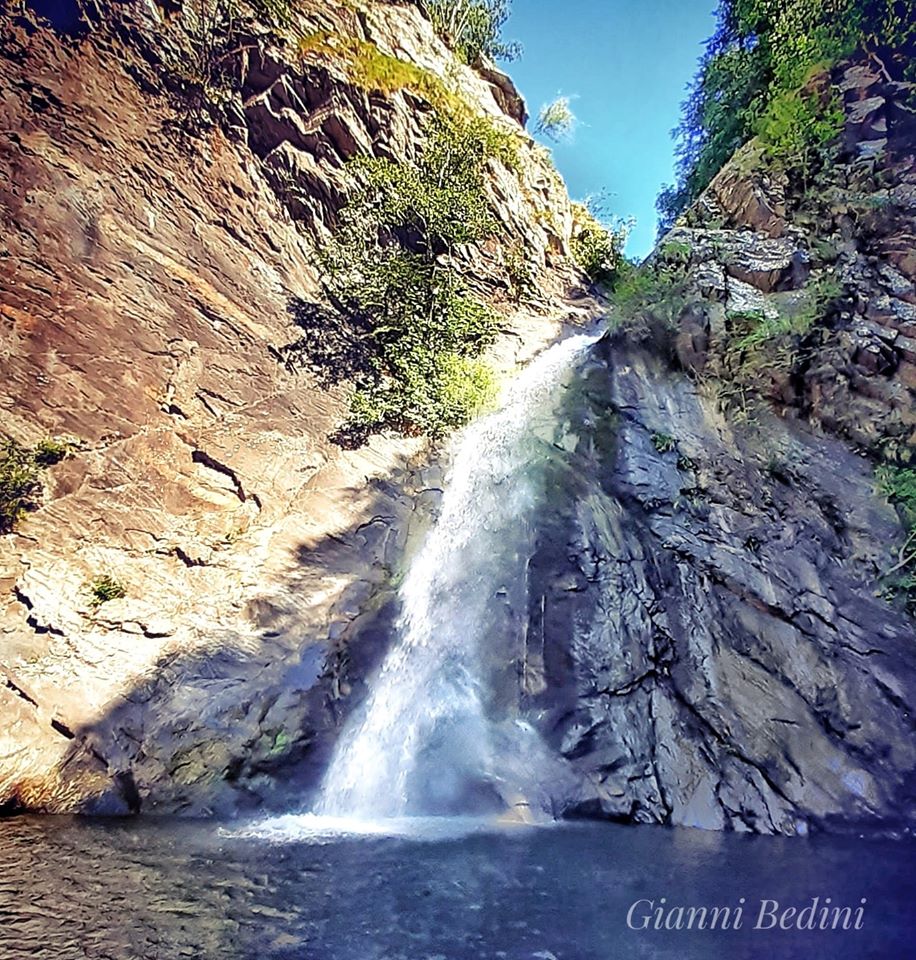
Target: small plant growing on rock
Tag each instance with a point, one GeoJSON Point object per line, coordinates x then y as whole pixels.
{"type": "Point", "coordinates": [473, 28]}
{"type": "Point", "coordinates": [648, 300]}
{"type": "Point", "coordinates": [597, 250]}
{"type": "Point", "coordinates": [519, 272]}
{"type": "Point", "coordinates": [50, 451]}
{"type": "Point", "coordinates": [556, 120]}
{"type": "Point", "coordinates": [103, 588]}
{"type": "Point", "coordinates": [20, 483]}
{"type": "Point", "coordinates": [663, 442]}
{"type": "Point", "coordinates": [760, 350]}
{"type": "Point", "coordinates": [898, 484]}
{"type": "Point", "coordinates": [20, 476]}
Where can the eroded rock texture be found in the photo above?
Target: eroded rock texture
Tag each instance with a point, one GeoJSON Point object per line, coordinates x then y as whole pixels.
{"type": "Point", "coordinates": [156, 263]}
{"type": "Point", "coordinates": [701, 642]}
{"type": "Point", "coordinates": [703, 629]}
{"type": "Point", "coordinates": [706, 599]}
{"type": "Point", "coordinates": [839, 243]}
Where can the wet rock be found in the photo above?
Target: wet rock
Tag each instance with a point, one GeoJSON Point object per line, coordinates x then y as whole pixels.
{"type": "Point", "coordinates": [152, 250]}
{"type": "Point", "coordinates": [748, 654]}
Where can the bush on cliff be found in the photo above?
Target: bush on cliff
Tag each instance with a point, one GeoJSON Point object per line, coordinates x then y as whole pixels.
{"type": "Point", "coordinates": [103, 588]}
{"type": "Point", "coordinates": [20, 477]}
{"type": "Point", "coordinates": [898, 484]}
{"type": "Point", "coordinates": [764, 73]}
{"type": "Point", "coordinates": [392, 270]}
{"type": "Point", "coordinates": [473, 28]}
{"type": "Point", "coordinates": [597, 249]}
{"type": "Point", "coordinates": [556, 120]}
{"type": "Point", "coordinates": [648, 298]}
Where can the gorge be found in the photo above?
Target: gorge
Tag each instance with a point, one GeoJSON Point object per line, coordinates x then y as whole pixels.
{"type": "Point", "coordinates": [354, 483]}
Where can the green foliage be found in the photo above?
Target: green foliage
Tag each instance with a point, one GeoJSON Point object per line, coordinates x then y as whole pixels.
{"type": "Point", "coordinates": [898, 484]}
{"type": "Point", "coordinates": [103, 588]}
{"type": "Point", "coordinates": [556, 120]}
{"type": "Point", "coordinates": [519, 271]}
{"type": "Point", "coordinates": [370, 68]}
{"type": "Point", "coordinates": [663, 442]}
{"type": "Point", "coordinates": [391, 271]}
{"type": "Point", "coordinates": [20, 476]}
{"type": "Point", "coordinates": [428, 392]}
{"type": "Point", "coordinates": [597, 250]}
{"type": "Point", "coordinates": [20, 483]}
{"type": "Point", "coordinates": [764, 73]}
{"type": "Point", "coordinates": [761, 350]}
{"type": "Point", "coordinates": [648, 299]}
{"type": "Point", "coordinates": [473, 28]}
{"type": "Point", "coordinates": [49, 451]}
{"type": "Point", "coordinates": [797, 127]}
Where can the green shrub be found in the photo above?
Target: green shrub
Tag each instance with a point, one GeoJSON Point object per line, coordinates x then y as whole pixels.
{"type": "Point", "coordinates": [761, 350]}
{"type": "Point", "coordinates": [756, 79]}
{"type": "Point", "coordinates": [473, 28]}
{"type": "Point", "coordinates": [199, 65]}
{"type": "Point", "coordinates": [648, 300]}
{"type": "Point", "coordinates": [663, 443]}
{"type": "Point", "coordinates": [20, 483]}
{"type": "Point", "coordinates": [898, 484]}
{"type": "Point", "coordinates": [519, 272]}
{"type": "Point", "coordinates": [103, 588]}
{"type": "Point", "coordinates": [20, 476]}
{"type": "Point", "coordinates": [556, 120]}
{"type": "Point", "coordinates": [390, 269]}
{"type": "Point", "coordinates": [49, 451]}
{"type": "Point", "coordinates": [798, 126]}
{"type": "Point", "coordinates": [426, 394]}
{"type": "Point", "coordinates": [597, 250]}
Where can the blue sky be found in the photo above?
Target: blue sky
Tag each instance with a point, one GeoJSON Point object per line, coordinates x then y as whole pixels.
{"type": "Point", "coordinates": [626, 63]}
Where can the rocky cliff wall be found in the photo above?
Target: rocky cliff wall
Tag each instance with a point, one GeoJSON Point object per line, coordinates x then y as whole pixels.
{"type": "Point", "coordinates": [156, 238]}
{"type": "Point", "coordinates": [834, 244]}
{"type": "Point", "coordinates": [710, 622]}
{"type": "Point", "coordinates": [703, 643]}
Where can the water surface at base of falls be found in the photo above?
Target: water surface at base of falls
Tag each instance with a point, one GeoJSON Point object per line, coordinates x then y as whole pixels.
{"type": "Point", "coordinates": [164, 890]}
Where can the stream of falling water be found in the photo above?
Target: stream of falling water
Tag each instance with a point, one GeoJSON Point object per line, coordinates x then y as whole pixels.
{"type": "Point", "coordinates": [423, 743]}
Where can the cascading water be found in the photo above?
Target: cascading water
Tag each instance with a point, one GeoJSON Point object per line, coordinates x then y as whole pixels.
{"type": "Point", "coordinates": [425, 741]}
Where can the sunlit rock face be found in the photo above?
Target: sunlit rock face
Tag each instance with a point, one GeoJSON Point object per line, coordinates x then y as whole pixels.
{"type": "Point", "coordinates": [761, 239]}
{"type": "Point", "coordinates": [152, 277]}
{"type": "Point", "coordinates": [685, 627]}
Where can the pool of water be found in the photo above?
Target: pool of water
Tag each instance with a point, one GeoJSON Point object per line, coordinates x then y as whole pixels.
{"type": "Point", "coordinates": [314, 890]}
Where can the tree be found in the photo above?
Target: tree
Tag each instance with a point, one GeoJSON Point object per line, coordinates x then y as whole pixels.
{"type": "Point", "coordinates": [556, 120]}
{"type": "Point", "coordinates": [754, 80]}
{"type": "Point", "coordinates": [473, 28]}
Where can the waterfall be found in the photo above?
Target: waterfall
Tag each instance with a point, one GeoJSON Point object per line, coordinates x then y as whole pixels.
{"type": "Point", "coordinates": [426, 741]}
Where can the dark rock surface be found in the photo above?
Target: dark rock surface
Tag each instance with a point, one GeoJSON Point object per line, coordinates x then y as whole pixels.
{"type": "Point", "coordinates": [713, 651]}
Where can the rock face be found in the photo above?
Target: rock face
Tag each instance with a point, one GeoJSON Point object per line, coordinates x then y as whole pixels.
{"type": "Point", "coordinates": [702, 643]}
{"type": "Point", "coordinates": [701, 603]}
{"type": "Point", "coordinates": [763, 240]}
{"type": "Point", "coordinates": [705, 601]}
{"type": "Point", "coordinates": [153, 259]}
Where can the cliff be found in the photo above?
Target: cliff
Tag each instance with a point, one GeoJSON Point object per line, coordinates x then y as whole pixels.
{"type": "Point", "coordinates": [713, 623]}
{"type": "Point", "coordinates": [722, 551]}
{"type": "Point", "coordinates": [166, 195]}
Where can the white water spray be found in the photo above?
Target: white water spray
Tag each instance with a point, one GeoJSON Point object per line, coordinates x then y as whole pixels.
{"type": "Point", "coordinates": [424, 741]}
